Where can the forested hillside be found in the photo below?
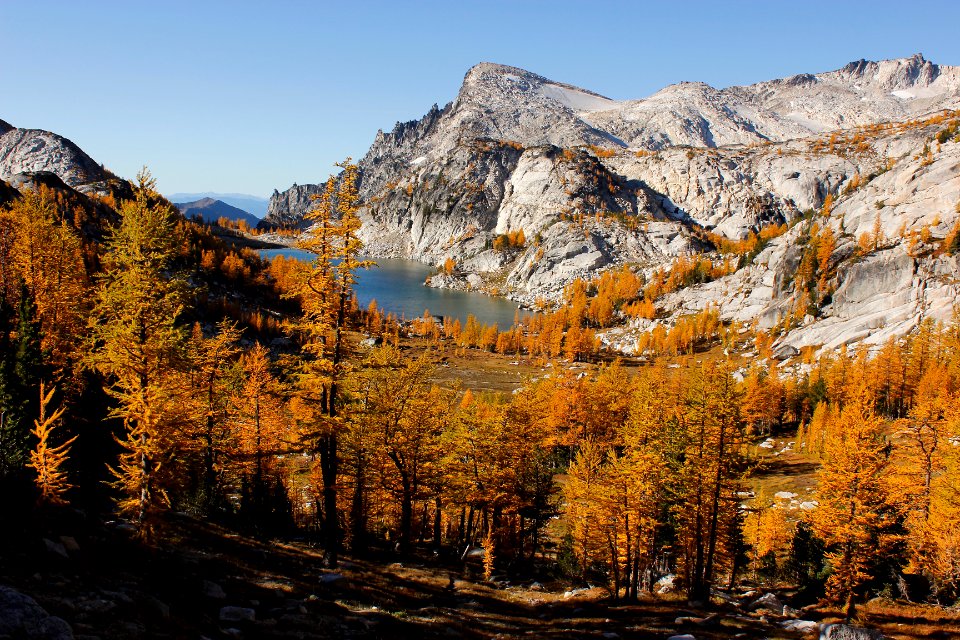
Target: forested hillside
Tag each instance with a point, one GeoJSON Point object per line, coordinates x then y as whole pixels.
{"type": "Point", "coordinates": [152, 373]}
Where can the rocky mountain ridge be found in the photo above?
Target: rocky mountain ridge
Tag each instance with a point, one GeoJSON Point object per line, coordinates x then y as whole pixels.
{"type": "Point", "coordinates": [595, 183]}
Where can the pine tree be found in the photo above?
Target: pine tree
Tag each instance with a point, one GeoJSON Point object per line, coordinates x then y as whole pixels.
{"type": "Point", "coordinates": [582, 493]}
{"type": "Point", "coordinates": [258, 418]}
{"type": "Point", "coordinates": [48, 257]}
{"type": "Point", "coordinates": [24, 366]}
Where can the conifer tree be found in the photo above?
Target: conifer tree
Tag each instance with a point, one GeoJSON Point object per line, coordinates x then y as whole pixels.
{"type": "Point", "coordinates": [136, 344]}
{"type": "Point", "coordinates": [47, 458]}
{"type": "Point", "coordinates": [259, 420]}
{"type": "Point", "coordinates": [325, 292]}
{"type": "Point", "coordinates": [24, 366]}
{"type": "Point", "coordinates": [855, 518]}
{"type": "Point", "coordinates": [209, 379]}
{"type": "Point", "coordinates": [47, 256]}
{"type": "Point", "coordinates": [711, 415]}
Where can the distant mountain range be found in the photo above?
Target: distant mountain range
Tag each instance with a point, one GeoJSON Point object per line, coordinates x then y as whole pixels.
{"type": "Point", "coordinates": [211, 210]}
{"type": "Point", "coordinates": [251, 204]}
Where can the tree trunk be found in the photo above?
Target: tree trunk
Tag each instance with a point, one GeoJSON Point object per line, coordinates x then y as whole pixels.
{"type": "Point", "coordinates": [358, 525]}
{"type": "Point", "coordinates": [714, 513]}
{"type": "Point", "coordinates": [406, 514]}
{"type": "Point", "coordinates": [331, 522]}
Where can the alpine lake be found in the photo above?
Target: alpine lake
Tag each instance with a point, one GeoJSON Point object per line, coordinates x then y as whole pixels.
{"type": "Point", "coordinates": [397, 286]}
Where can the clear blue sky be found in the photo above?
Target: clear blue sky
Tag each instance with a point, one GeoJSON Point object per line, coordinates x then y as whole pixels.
{"type": "Point", "coordinates": [248, 97]}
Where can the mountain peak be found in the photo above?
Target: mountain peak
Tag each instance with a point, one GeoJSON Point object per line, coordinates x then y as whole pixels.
{"type": "Point", "coordinates": [211, 210]}
{"type": "Point", "coordinates": [515, 80]}
{"type": "Point", "coordinates": [484, 68]}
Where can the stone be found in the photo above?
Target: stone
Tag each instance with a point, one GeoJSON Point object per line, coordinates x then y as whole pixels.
{"type": "Point", "coordinates": [237, 614]}
{"type": "Point", "coordinates": [95, 605]}
{"type": "Point", "coordinates": [213, 590]}
{"type": "Point", "coordinates": [22, 617]}
{"type": "Point", "coordinates": [848, 632]}
{"type": "Point", "coordinates": [118, 596]}
{"type": "Point", "coordinates": [55, 548]}
{"type": "Point", "coordinates": [158, 607]}
{"type": "Point", "coordinates": [800, 626]}
{"type": "Point", "coordinates": [665, 584]}
{"type": "Point", "coordinates": [767, 601]}
{"type": "Point", "coordinates": [34, 150]}
{"type": "Point", "coordinates": [70, 544]}
{"type": "Point", "coordinates": [329, 578]}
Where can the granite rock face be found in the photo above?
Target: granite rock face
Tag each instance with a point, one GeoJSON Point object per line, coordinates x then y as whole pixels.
{"type": "Point", "coordinates": [594, 183]}
{"type": "Point", "coordinates": [24, 150]}
{"type": "Point", "coordinates": [288, 208]}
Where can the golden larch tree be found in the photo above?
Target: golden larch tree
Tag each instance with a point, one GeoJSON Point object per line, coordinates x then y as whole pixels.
{"type": "Point", "coordinates": [46, 458]}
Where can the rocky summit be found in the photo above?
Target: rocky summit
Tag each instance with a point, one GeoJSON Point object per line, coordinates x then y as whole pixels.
{"type": "Point", "coordinates": [30, 156]}
{"type": "Point", "coordinates": [594, 183]}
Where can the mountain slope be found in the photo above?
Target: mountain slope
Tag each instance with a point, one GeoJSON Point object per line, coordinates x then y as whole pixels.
{"type": "Point", "coordinates": [211, 210]}
{"type": "Point", "coordinates": [860, 93]}
{"type": "Point", "coordinates": [251, 204]}
{"type": "Point", "coordinates": [595, 183]}
{"type": "Point", "coordinates": [502, 103]}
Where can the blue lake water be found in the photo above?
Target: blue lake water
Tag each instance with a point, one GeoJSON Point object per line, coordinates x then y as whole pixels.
{"type": "Point", "coordinates": [397, 286]}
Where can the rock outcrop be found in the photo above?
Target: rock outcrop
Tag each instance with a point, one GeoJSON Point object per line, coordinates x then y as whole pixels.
{"type": "Point", "coordinates": [37, 150]}
{"type": "Point", "coordinates": [22, 617]}
{"type": "Point", "coordinates": [593, 183]}
{"type": "Point", "coordinates": [288, 208]}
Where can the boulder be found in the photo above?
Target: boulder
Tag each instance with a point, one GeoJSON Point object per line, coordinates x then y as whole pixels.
{"type": "Point", "coordinates": [800, 626]}
{"type": "Point", "coordinates": [666, 584]}
{"type": "Point", "coordinates": [70, 544]}
{"type": "Point", "coordinates": [237, 614]}
{"type": "Point", "coordinates": [329, 578]}
{"type": "Point", "coordinates": [213, 590]}
{"type": "Point", "coordinates": [848, 632]}
{"type": "Point", "coordinates": [55, 548]}
{"type": "Point", "coordinates": [767, 601]}
{"type": "Point", "coordinates": [22, 617]}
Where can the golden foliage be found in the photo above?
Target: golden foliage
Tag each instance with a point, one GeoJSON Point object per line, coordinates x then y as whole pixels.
{"type": "Point", "coordinates": [46, 458]}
